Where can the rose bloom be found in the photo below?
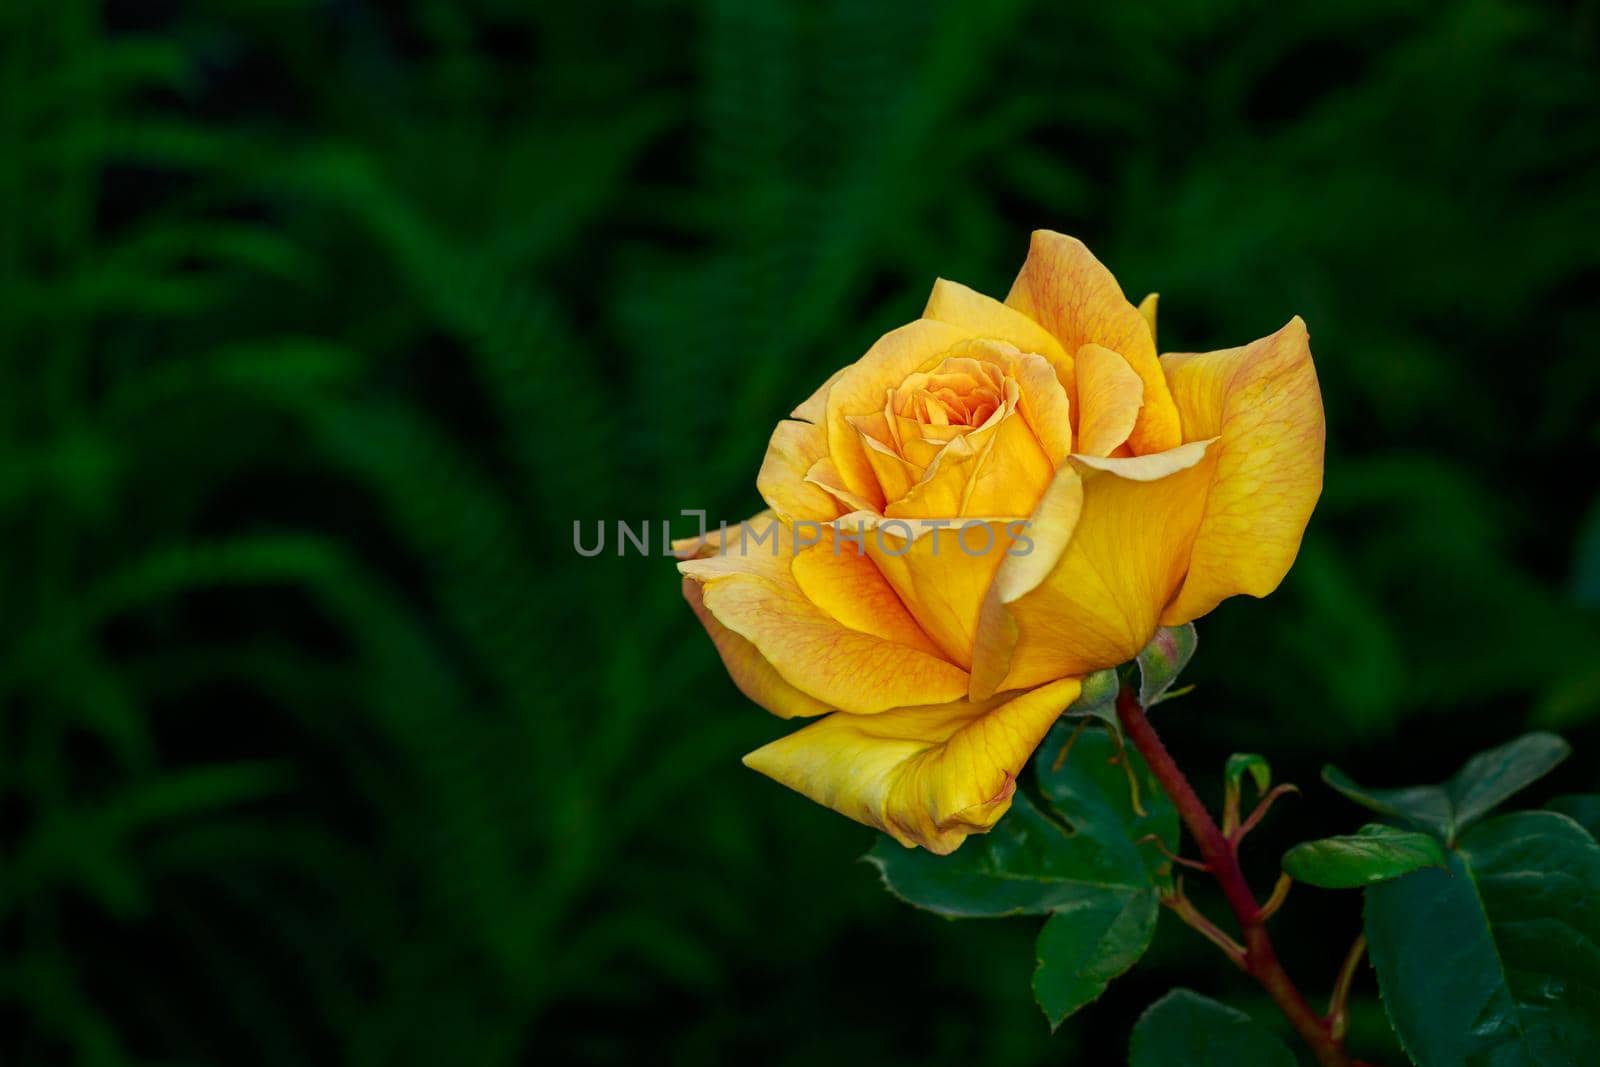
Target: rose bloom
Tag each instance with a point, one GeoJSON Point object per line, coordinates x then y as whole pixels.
{"type": "Point", "coordinates": [933, 659]}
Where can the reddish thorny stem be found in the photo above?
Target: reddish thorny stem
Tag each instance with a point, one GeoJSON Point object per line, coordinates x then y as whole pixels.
{"type": "Point", "coordinates": [1221, 857]}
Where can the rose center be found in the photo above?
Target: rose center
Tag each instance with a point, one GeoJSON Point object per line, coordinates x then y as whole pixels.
{"type": "Point", "coordinates": [962, 392]}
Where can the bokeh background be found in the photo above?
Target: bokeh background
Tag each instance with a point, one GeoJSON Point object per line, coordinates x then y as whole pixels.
{"type": "Point", "coordinates": [323, 321]}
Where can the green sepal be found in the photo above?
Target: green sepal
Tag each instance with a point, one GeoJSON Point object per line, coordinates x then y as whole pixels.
{"type": "Point", "coordinates": [1098, 699]}
{"type": "Point", "coordinates": [1163, 659]}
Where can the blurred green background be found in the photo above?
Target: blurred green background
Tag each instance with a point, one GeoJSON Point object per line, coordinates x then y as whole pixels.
{"type": "Point", "coordinates": [323, 321]}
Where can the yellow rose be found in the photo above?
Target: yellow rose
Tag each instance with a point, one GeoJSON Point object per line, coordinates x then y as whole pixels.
{"type": "Point", "coordinates": [1151, 489]}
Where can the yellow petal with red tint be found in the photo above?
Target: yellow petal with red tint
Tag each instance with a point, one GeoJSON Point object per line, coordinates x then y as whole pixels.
{"type": "Point", "coordinates": [750, 588]}
{"type": "Point", "coordinates": [1109, 397]}
{"type": "Point", "coordinates": [794, 448]}
{"type": "Point", "coordinates": [1047, 534]}
{"type": "Point", "coordinates": [860, 390]}
{"type": "Point", "coordinates": [1066, 290]}
{"type": "Point", "coordinates": [984, 316]}
{"type": "Point", "coordinates": [941, 574]}
{"type": "Point", "coordinates": [1101, 602]}
{"type": "Point", "coordinates": [1263, 402]}
{"type": "Point", "coordinates": [839, 577]}
{"type": "Point", "coordinates": [926, 776]}
{"type": "Point", "coordinates": [755, 677]}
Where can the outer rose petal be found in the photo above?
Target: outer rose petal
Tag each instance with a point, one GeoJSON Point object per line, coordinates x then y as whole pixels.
{"type": "Point", "coordinates": [795, 447]}
{"type": "Point", "coordinates": [838, 577]}
{"type": "Point", "coordinates": [1263, 401]}
{"type": "Point", "coordinates": [1101, 601]}
{"type": "Point", "coordinates": [860, 391]}
{"type": "Point", "coordinates": [755, 677]}
{"type": "Point", "coordinates": [1070, 293]}
{"type": "Point", "coordinates": [928, 776]}
{"type": "Point", "coordinates": [756, 596]}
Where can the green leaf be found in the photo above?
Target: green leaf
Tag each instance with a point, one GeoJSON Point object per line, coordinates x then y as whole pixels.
{"type": "Point", "coordinates": [1491, 777]}
{"type": "Point", "coordinates": [1184, 1029]}
{"type": "Point", "coordinates": [1083, 863]}
{"type": "Point", "coordinates": [1497, 959]}
{"type": "Point", "coordinates": [1581, 808]}
{"type": "Point", "coordinates": [1086, 944]}
{"type": "Point", "coordinates": [1029, 864]}
{"type": "Point", "coordinates": [1483, 782]}
{"type": "Point", "coordinates": [1375, 854]}
{"type": "Point", "coordinates": [1034, 861]}
{"type": "Point", "coordinates": [1095, 788]}
{"type": "Point", "coordinates": [1163, 659]}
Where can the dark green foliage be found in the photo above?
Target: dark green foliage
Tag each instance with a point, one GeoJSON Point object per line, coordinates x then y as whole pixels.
{"type": "Point", "coordinates": [1497, 959]}
{"type": "Point", "coordinates": [1184, 1029]}
{"type": "Point", "coordinates": [1376, 854]}
{"type": "Point", "coordinates": [322, 322]}
{"type": "Point", "coordinates": [1092, 864]}
{"type": "Point", "coordinates": [1477, 788]}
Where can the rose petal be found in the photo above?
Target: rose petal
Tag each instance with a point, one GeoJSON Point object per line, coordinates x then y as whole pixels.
{"type": "Point", "coordinates": [1048, 532]}
{"type": "Point", "coordinates": [927, 776]}
{"type": "Point", "coordinates": [754, 676]}
{"type": "Point", "coordinates": [1264, 403]}
{"type": "Point", "coordinates": [984, 316]}
{"type": "Point", "coordinates": [1070, 293]}
{"type": "Point", "coordinates": [751, 589]}
{"type": "Point", "coordinates": [1101, 601]}
{"type": "Point", "coordinates": [1045, 405]}
{"type": "Point", "coordinates": [1147, 308]}
{"type": "Point", "coordinates": [1110, 395]}
{"type": "Point", "coordinates": [794, 448]}
{"type": "Point", "coordinates": [940, 574]}
{"type": "Point", "coordinates": [837, 576]}
{"type": "Point", "coordinates": [860, 391]}
{"type": "Point", "coordinates": [815, 407]}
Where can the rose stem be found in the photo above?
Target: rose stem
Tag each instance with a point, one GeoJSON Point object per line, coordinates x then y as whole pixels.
{"type": "Point", "coordinates": [1222, 858]}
